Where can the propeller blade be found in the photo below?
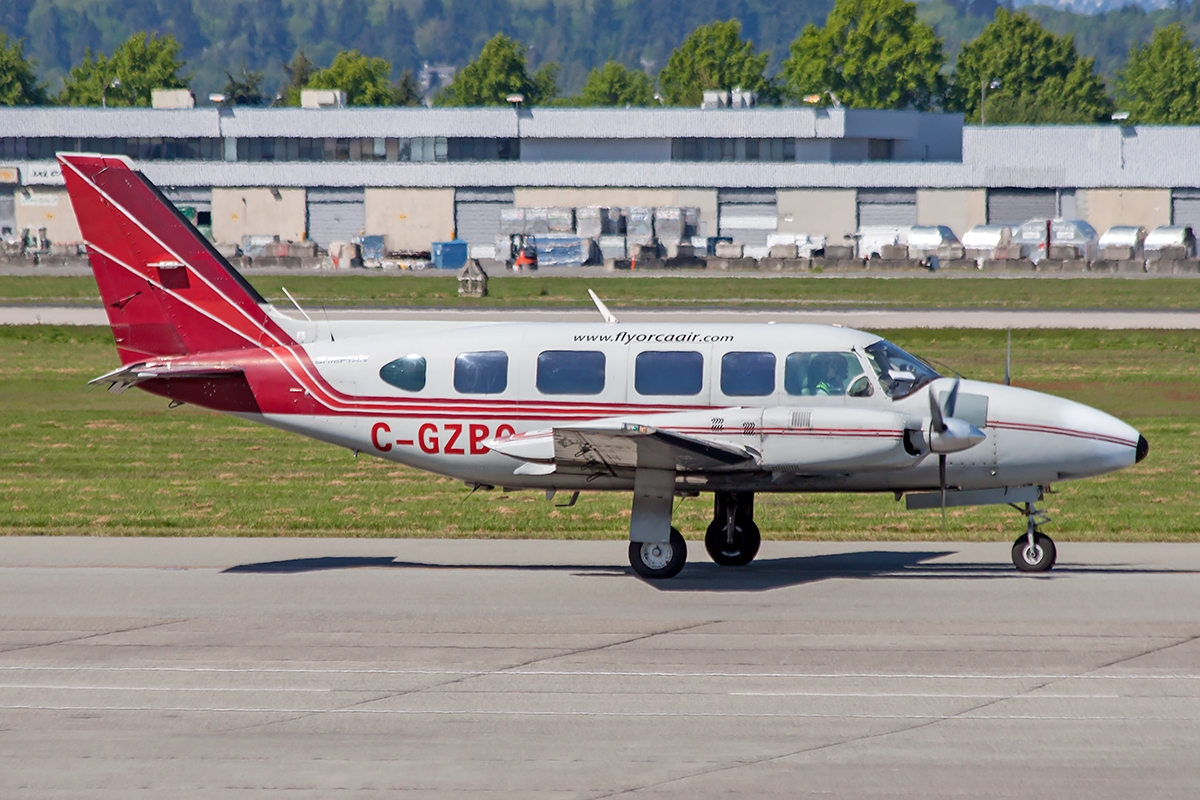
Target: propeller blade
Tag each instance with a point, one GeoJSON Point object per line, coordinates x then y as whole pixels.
{"type": "Point", "coordinates": [942, 483]}
{"type": "Point", "coordinates": [952, 399]}
{"type": "Point", "coordinates": [935, 411]}
{"type": "Point", "coordinates": [1008, 361]}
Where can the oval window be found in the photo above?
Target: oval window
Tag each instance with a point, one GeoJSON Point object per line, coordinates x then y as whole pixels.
{"type": "Point", "coordinates": [406, 373]}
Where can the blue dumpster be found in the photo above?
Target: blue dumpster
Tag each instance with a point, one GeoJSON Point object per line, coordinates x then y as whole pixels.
{"type": "Point", "coordinates": [449, 255]}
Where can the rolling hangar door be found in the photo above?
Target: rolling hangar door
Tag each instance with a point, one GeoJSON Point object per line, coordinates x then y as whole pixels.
{"type": "Point", "coordinates": [1185, 207]}
{"type": "Point", "coordinates": [336, 215]}
{"type": "Point", "coordinates": [1014, 206]}
{"type": "Point", "coordinates": [477, 215]}
{"type": "Point", "coordinates": [747, 215]}
{"type": "Point", "coordinates": [887, 208]}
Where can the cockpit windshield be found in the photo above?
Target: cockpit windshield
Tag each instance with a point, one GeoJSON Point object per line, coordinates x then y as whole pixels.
{"type": "Point", "coordinates": [900, 374]}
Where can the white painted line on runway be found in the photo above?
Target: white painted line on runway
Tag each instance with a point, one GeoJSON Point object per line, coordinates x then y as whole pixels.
{"type": "Point", "coordinates": [944, 695]}
{"type": "Point", "coordinates": [279, 689]}
{"type": "Point", "coordinates": [690, 714]}
{"type": "Point", "coordinates": [57, 687]}
{"type": "Point", "coordinates": [506, 671]}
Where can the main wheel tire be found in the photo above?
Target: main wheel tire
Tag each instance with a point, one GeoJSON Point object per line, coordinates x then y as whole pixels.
{"type": "Point", "coordinates": [655, 560]}
{"type": "Point", "coordinates": [743, 549]}
{"type": "Point", "coordinates": [1039, 558]}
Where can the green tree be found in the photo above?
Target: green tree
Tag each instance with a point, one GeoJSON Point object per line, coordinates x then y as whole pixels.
{"type": "Point", "coordinates": [1033, 75]}
{"type": "Point", "coordinates": [1160, 82]}
{"type": "Point", "coordinates": [500, 71]}
{"type": "Point", "coordinates": [298, 73]}
{"type": "Point", "coordinates": [614, 84]}
{"type": "Point", "coordinates": [144, 62]}
{"type": "Point", "coordinates": [243, 89]}
{"type": "Point", "coordinates": [714, 57]}
{"type": "Point", "coordinates": [18, 81]}
{"type": "Point", "coordinates": [363, 79]}
{"type": "Point", "coordinates": [870, 54]}
{"type": "Point", "coordinates": [406, 91]}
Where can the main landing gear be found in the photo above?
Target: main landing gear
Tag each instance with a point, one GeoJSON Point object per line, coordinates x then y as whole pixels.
{"type": "Point", "coordinates": [659, 559]}
{"type": "Point", "coordinates": [1035, 551]}
{"type": "Point", "coordinates": [732, 538]}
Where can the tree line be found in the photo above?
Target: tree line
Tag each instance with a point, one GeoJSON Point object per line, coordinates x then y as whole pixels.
{"type": "Point", "coordinates": [867, 54]}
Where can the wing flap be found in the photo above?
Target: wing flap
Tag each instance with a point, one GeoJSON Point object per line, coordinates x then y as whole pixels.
{"type": "Point", "coordinates": [632, 446]}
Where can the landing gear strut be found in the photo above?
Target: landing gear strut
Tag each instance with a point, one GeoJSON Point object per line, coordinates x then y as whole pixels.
{"type": "Point", "coordinates": [732, 538]}
{"type": "Point", "coordinates": [1035, 551]}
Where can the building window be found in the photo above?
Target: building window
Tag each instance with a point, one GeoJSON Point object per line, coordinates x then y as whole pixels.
{"type": "Point", "coordinates": [570, 372]}
{"type": "Point", "coordinates": [881, 149]}
{"type": "Point", "coordinates": [747, 374]}
{"type": "Point", "coordinates": [484, 372]}
{"type": "Point", "coordinates": [463, 149]}
{"type": "Point", "coordinates": [692, 149]}
{"type": "Point", "coordinates": [44, 148]}
{"type": "Point", "coordinates": [668, 372]}
{"type": "Point", "coordinates": [406, 373]}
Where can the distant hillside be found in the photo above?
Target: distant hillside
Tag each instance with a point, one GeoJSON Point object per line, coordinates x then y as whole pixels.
{"type": "Point", "coordinates": [219, 35]}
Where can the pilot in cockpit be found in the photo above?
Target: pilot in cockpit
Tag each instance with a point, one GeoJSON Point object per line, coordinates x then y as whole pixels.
{"type": "Point", "coordinates": [829, 374]}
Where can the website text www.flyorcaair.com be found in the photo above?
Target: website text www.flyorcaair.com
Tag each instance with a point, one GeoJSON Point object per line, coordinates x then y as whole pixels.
{"type": "Point", "coordinates": [624, 337]}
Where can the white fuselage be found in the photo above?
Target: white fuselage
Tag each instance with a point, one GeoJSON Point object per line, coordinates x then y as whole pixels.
{"type": "Point", "coordinates": [563, 373]}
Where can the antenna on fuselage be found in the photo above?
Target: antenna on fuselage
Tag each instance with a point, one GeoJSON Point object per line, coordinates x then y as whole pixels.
{"type": "Point", "coordinates": [297, 305]}
{"type": "Point", "coordinates": [604, 312]}
{"type": "Point", "coordinates": [1008, 361]}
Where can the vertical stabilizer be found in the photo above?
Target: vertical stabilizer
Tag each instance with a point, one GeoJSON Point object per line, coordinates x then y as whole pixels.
{"type": "Point", "coordinates": [165, 289]}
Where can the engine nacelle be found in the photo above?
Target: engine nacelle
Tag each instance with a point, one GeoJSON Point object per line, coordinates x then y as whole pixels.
{"type": "Point", "coordinates": [814, 440]}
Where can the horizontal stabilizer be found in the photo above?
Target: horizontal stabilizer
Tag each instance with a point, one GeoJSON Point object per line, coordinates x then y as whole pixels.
{"type": "Point", "coordinates": [132, 374]}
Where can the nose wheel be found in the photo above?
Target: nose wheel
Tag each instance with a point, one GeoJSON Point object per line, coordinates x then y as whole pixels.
{"type": "Point", "coordinates": [1035, 551]}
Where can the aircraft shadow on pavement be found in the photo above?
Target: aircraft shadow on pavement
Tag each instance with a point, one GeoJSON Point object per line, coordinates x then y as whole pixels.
{"type": "Point", "coordinates": [704, 576]}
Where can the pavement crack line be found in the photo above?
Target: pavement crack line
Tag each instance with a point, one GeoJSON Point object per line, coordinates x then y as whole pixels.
{"type": "Point", "coordinates": [92, 636]}
{"type": "Point", "coordinates": [481, 673]}
{"type": "Point", "coordinates": [906, 729]}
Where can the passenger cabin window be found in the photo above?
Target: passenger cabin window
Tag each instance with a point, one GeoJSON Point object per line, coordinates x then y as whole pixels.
{"type": "Point", "coordinates": [823, 375]}
{"type": "Point", "coordinates": [485, 372]}
{"type": "Point", "coordinates": [406, 373]}
{"type": "Point", "coordinates": [748, 374]}
{"type": "Point", "coordinates": [570, 372]}
{"type": "Point", "coordinates": [658, 372]}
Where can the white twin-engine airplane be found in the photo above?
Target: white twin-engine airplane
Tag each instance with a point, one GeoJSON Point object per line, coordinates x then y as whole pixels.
{"type": "Point", "coordinates": [664, 410]}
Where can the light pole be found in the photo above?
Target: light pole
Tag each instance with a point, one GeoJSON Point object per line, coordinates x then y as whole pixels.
{"type": "Point", "coordinates": [516, 99]}
{"type": "Point", "coordinates": [983, 87]}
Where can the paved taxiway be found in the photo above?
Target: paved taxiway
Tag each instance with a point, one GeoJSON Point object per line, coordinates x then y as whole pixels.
{"type": "Point", "coordinates": [865, 319]}
{"type": "Point", "coordinates": [177, 668]}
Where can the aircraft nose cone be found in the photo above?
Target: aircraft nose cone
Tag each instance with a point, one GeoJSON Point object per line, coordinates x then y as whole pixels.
{"type": "Point", "coordinates": [1143, 447]}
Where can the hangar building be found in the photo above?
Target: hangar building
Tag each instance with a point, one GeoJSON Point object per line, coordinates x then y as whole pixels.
{"type": "Point", "coordinates": [419, 175]}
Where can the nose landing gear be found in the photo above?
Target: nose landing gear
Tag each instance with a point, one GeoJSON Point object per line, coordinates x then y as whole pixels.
{"type": "Point", "coordinates": [732, 538]}
{"type": "Point", "coordinates": [1035, 551]}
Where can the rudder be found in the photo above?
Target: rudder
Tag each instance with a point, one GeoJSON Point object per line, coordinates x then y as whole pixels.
{"type": "Point", "coordinates": [165, 289]}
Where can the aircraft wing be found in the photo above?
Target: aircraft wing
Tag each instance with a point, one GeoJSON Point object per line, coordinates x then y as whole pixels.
{"type": "Point", "coordinates": [624, 445]}
{"type": "Point", "coordinates": [132, 374]}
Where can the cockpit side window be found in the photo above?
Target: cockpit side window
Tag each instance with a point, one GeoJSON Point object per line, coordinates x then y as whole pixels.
{"type": "Point", "coordinates": [899, 373]}
{"type": "Point", "coordinates": [820, 374]}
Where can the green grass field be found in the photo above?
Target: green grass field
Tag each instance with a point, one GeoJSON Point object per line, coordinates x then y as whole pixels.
{"type": "Point", "coordinates": [78, 460]}
{"type": "Point", "coordinates": [691, 291]}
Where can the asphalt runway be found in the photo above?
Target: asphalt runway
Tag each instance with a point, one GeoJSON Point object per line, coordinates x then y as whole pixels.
{"type": "Point", "coordinates": [864, 319]}
{"type": "Point", "coordinates": [155, 668]}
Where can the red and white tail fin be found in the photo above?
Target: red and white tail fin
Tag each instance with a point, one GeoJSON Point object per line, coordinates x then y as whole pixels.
{"type": "Point", "coordinates": [166, 290]}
